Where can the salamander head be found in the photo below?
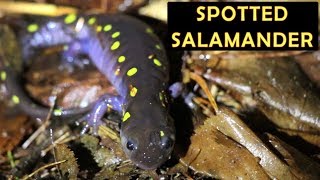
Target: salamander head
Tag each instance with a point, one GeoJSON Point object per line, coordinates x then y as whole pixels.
{"type": "Point", "coordinates": [148, 136]}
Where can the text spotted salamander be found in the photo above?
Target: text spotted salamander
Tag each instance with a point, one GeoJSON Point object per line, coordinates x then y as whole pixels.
{"type": "Point", "coordinates": [132, 57]}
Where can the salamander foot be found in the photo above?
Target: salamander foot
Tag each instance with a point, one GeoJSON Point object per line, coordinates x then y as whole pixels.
{"type": "Point", "coordinates": [106, 103]}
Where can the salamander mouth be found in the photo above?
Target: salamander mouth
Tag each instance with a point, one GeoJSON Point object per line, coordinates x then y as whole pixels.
{"type": "Point", "coordinates": [150, 165]}
{"type": "Point", "coordinates": [150, 160]}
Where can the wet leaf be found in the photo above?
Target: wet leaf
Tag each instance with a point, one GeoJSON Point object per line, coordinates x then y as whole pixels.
{"type": "Point", "coordinates": [229, 124]}
{"type": "Point", "coordinates": [310, 63]}
{"type": "Point", "coordinates": [301, 165]}
{"type": "Point", "coordinates": [309, 137]}
{"type": "Point", "coordinates": [108, 155]}
{"type": "Point", "coordinates": [90, 142]}
{"type": "Point", "coordinates": [105, 157]}
{"type": "Point", "coordinates": [215, 155]}
{"type": "Point", "coordinates": [283, 93]}
{"type": "Point", "coordinates": [13, 127]}
{"type": "Point", "coordinates": [69, 168]}
{"type": "Point", "coordinates": [124, 172]}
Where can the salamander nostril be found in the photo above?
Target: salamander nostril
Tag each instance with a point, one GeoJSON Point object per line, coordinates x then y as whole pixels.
{"type": "Point", "coordinates": [131, 146]}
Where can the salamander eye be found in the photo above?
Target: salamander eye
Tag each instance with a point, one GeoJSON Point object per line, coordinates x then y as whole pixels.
{"type": "Point", "coordinates": [131, 146]}
{"type": "Point", "coordinates": [167, 142]}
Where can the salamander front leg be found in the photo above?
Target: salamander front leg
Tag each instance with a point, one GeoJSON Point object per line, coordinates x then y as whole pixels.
{"type": "Point", "coordinates": [176, 89]}
{"type": "Point", "coordinates": [105, 103]}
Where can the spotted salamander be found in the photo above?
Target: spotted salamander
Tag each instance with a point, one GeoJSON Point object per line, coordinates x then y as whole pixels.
{"type": "Point", "coordinates": [132, 57]}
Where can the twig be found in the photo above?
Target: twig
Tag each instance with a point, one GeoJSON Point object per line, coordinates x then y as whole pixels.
{"type": "Point", "coordinates": [60, 140]}
{"type": "Point", "coordinates": [35, 8]}
{"type": "Point", "coordinates": [42, 168]}
{"type": "Point", "coordinates": [106, 131]}
{"type": "Point", "coordinates": [206, 90]}
{"type": "Point", "coordinates": [43, 125]}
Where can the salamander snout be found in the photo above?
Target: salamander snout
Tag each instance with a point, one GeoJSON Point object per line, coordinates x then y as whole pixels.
{"type": "Point", "coordinates": [150, 148]}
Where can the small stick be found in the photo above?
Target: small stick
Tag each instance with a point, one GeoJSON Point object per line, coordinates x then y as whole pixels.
{"type": "Point", "coordinates": [35, 8]}
{"type": "Point", "coordinates": [60, 140]}
{"type": "Point", "coordinates": [45, 123]}
{"type": "Point", "coordinates": [206, 90]}
{"type": "Point", "coordinates": [205, 108]}
{"type": "Point", "coordinates": [43, 126]}
{"type": "Point", "coordinates": [201, 100]}
{"type": "Point", "coordinates": [42, 168]}
{"type": "Point", "coordinates": [106, 131]}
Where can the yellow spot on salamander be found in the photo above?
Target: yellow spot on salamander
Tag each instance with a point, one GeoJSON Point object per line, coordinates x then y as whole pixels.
{"type": "Point", "coordinates": [158, 47]}
{"type": "Point", "coordinates": [65, 47]}
{"type": "Point", "coordinates": [115, 45]}
{"type": "Point", "coordinates": [116, 34]}
{"type": "Point", "coordinates": [121, 59]}
{"type": "Point", "coordinates": [117, 72]}
{"type": "Point", "coordinates": [107, 27]}
{"type": "Point", "coordinates": [161, 96]}
{"type": "Point", "coordinates": [70, 18]}
{"type": "Point", "coordinates": [3, 75]}
{"type": "Point", "coordinates": [126, 116]}
{"type": "Point", "coordinates": [132, 71]}
{"type": "Point", "coordinates": [92, 20]}
{"type": "Point", "coordinates": [149, 30]}
{"type": "Point", "coordinates": [32, 28]}
{"type": "Point", "coordinates": [99, 28]}
{"type": "Point", "coordinates": [133, 91]}
{"type": "Point", "coordinates": [161, 133]}
{"type": "Point", "coordinates": [15, 99]}
{"type": "Point", "coordinates": [157, 62]}
{"type": "Point", "coordinates": [151, 56]}
{"type": "Point", "coordinates": [162, 99]}
{"type": "Point", "coordinates": [57, 112]}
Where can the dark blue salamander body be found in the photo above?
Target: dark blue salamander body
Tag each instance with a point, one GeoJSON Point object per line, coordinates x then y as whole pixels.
{"type": "Point", "coordinates": [127, 52]}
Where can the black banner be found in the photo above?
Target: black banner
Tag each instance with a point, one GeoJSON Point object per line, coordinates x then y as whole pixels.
{"type": "Point", "coordinates": [243, 25]}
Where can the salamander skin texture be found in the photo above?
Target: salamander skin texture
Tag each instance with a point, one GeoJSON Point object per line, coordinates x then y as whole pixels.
{"type": "Point", "coordinates": [131, 56]}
